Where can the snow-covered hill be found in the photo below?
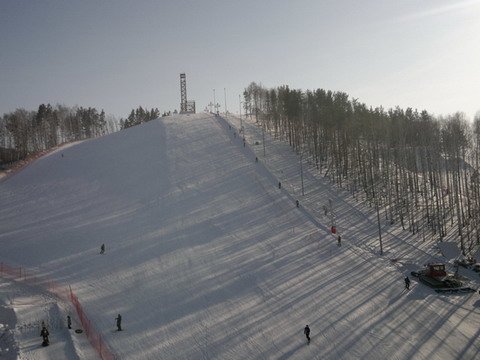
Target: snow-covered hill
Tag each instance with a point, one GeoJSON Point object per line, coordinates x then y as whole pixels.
{"type": "Point", "coordinates": [207, 258]}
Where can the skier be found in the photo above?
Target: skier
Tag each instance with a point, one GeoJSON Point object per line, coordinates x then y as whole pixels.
{"type": "Point", "coordinates": [119, 322]}
{"type": "Point", "coordinates": [102, 249]}
{"type": "Point", "coordinates": [297, 203]}
{"type": "Point", "coordinates": [306, 331]}
{"type": "Point", "coordinates": [279, 185]}
{"type": "Point", "coordinates": [69, 322]}
{"type": "Point", "coordinates": [407, 283]}
{"type": "Point", "coordinates": [339, 240]}
{"type": "Point", "coordinates": [256, 159]}
{"type": "Point", "coordinates": [44, 334]}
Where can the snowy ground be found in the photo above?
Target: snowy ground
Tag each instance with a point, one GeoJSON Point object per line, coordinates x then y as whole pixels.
{"type": "Point", "coordinates": [22, 311]}
{"type": "Point", "coordinates": [208, 259]}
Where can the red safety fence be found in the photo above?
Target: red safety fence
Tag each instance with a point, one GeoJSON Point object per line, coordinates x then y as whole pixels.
{"type": "Point", "coordinates": [30, 277]}
{"type": "Point", "coordinates": [95, 338]}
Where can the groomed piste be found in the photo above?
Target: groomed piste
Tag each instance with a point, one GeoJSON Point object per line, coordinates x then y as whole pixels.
{"type": "Point", "coordinates": [207, 258]}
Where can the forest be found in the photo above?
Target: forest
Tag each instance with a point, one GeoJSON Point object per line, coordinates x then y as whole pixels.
{"type": "Point", "coordinates": [416, 170]}
{"type": "Point", "coordinates": [23, 133]}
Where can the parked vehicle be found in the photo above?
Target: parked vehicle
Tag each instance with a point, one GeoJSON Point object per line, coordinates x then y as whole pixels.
{"type": "Point", "coordinates": [435, 276]}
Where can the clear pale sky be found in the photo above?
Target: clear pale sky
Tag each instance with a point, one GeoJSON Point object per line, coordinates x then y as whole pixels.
{"type": "Point", "coordinates": [119, 54]}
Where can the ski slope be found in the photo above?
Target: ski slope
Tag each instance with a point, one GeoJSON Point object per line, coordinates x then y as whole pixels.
{"type": "Point", "coordinates": [206, 258]}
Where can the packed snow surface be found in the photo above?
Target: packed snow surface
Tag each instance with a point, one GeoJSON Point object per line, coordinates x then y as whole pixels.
{"type": "Point", "coordinates": [207, 257]}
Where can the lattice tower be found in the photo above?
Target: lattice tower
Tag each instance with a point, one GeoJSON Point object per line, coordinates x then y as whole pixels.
{"type": "Point", "coordinates": [183, 93]}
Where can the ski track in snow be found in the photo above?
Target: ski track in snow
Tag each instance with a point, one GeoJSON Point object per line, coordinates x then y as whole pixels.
{"type": "Point", "coordinates": [206, 258]}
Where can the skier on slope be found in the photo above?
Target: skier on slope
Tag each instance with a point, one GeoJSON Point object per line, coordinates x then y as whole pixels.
{"type": "Point", "coordinates": [407, 283]}
{"type": "Point", "coordinates": [306, 331]}
{"type": "Point", "coordinates": [69, 322]}
{"type": "Point", "coordinates": [44, 334]}
{"type": "Point", "coordinates": [102, 249]}
{"type": "Point", "coordinates": [119, 322]}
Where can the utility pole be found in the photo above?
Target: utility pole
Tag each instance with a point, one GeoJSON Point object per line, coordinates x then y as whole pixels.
{"type": "Point", "coordinates": [301, 171]}
{"type": "Point", "coordinates": [214, 101]}
{"type": "Point", "coordinates": [376, 195]}
{"type": "Point", "coordinates": [225, 93]}
{"type": "Point", "coordinates": [263, 137]}
{"type": "Point", "coordinates": [379, 229]}
{"type": "Point", "coordinates": [332, 216]}
{"type": "Point", "coordinates": [241, 126]}
{"type": "Point", "coordinates": [240, 112]}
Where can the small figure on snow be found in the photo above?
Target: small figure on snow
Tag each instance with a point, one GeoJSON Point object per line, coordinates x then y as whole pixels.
{"type": "Point", "coordinates": [119, 322]}
{"type": "Point", "coordinates": [306, 331]}
{"type": "Point", "coordinates": [69, 322]}
{"type": "Point", "coordinates": [407, 283]}
{"type": "Point", "coordinates": [297, 203]}
{"type": "Point", "coordinates": [256, 159]}
{"type": "Point", "coordinates": [102, 249]}
{"type": "Point", "coordinates": [279, 185]}
{"type": "Point", "coordinates": [339, 240]}
{"type": "Point", "coordinates": [44, 334]}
